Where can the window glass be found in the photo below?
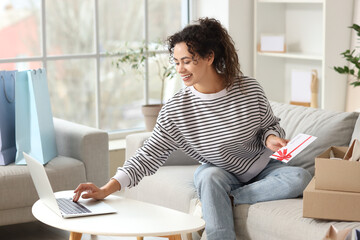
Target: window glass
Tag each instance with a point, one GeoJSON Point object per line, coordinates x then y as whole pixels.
{"type": "Point", "coordinates": [72, 90]}
{"type": "Point", "coordinates": [159, 83]}
{"type": "Point", "coordinates": [71, 58]}
{"type": "Point", "coordinates": [122, 94]}
{"type": "Point", "coordinates": [20, 28]}
{"type": "Point", "coordinates": [164, 18]}
{"type": "Point", "coordinates": [120, 21]}
{"type": "Point", "coordinates": [20, 66]}
{"type": "Point", "coordinates": [70, 27]}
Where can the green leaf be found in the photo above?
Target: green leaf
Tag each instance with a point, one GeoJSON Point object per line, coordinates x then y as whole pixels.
{"type": "Point", "coordinates": [356, 28]}
{"type": "Point", "coordinates": [339, 70]}
{"type": "Point", "coordinates": [347, 52]}
{"type": "Point", "coordinates": [355, 83]}
{"type": "Point", "coordinates": [352, 58]}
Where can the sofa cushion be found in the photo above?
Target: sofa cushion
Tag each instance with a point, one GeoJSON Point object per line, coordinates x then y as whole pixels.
{"type": "Point", "coordinates": [171, 186]}
{"type": "Point", "coordinates": [331, 129]}
{"type": "Point", "coordinates": [281, 219]}
{"type": "Point", "coordinates": [178, 157]}
{"type": "Point", "coordinates": [17, 189]}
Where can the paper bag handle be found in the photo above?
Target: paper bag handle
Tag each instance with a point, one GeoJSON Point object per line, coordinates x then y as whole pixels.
{"type": "Point", "coordinates": [40, 70]}
{"type": "Point", "coordinates": [6, 96]}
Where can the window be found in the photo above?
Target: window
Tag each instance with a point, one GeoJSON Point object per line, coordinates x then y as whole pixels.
{"type": "Point", "coordinates": [71, 40]}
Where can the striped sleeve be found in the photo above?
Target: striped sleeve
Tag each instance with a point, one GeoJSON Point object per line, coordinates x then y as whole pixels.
{"type": "Point", "coordinates": [150, 156]}
{"type": "Point", "coordinates": [269, 122]}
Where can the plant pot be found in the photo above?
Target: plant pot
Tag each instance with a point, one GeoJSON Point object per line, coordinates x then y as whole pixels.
{"type": "Point", "coordinates": [151, 113]}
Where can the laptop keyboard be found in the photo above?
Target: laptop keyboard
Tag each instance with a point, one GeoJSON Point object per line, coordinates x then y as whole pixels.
{"type": "Point", "coordinates": [69, 207]}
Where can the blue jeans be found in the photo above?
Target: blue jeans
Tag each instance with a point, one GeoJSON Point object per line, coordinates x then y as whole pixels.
{"type": "Point", "coordinates": [215, 186]}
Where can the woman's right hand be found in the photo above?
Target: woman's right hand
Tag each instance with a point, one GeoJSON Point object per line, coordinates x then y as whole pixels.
{"type": "Point", "coordinates": [91, 191]}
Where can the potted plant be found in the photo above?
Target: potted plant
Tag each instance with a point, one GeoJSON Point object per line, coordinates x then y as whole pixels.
{"type": "Point", "coordinates": [354, 60]}
{"type": "Point", "coordinates": [136, 57]}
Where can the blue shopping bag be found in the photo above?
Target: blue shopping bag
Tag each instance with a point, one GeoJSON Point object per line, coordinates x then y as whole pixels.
{"type": "Point", "coordinates": [34, 127]}
{"type": "Point", "coordinates": [7, 117]}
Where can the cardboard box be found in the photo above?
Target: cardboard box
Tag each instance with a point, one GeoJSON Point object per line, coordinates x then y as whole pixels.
{"type": "Point", "coordinates": [337, 175]}
{"type": "Point", "coordinates": [330, 205]}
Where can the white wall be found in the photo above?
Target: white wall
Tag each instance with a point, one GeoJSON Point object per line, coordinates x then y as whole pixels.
{"type": "Point", "coordinates": [237, 17]}
{"type": "Point", "coordinates": [353, 94]}
{"type": "Point", "coordinates": [212, 8]}
{"type": "Point", "coordinates": [241, 25]}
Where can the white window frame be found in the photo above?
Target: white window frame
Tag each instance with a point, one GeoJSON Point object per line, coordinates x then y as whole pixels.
{"type": "Point", "coordinates": [44, 58]}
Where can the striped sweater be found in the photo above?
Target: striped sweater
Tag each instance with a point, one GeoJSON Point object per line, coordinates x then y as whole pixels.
{"type": "Point", "coordinates": [227, 129]}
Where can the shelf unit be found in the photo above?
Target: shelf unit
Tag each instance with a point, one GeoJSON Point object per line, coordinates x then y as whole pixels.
{"type": "Point", "coordinates": [316, 32]}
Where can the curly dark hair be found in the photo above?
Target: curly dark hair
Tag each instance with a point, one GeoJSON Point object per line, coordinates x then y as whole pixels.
{"type": "Point", "coordinates": [205, 37]}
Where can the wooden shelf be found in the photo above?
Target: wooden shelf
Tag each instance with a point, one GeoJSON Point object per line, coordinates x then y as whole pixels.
{"type": "Point", "coordinates": [303, 56]}
{"type": "Point", "coordinates": [314, 38]}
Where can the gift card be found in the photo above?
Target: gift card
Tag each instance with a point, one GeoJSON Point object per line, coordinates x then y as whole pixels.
{"type": "Point", "coordinates": [293, 148]}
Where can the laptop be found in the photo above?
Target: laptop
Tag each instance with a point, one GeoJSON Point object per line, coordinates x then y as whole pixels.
{"type": "Point", "coordinates": [64, 207]}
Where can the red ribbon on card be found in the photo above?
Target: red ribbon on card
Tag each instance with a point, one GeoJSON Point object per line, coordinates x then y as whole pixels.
{"type": "Point", "coordinates": [283, 155]}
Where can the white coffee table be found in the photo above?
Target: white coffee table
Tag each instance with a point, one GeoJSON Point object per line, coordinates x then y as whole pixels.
{"type": "Point", "coordinates": [133, 219]}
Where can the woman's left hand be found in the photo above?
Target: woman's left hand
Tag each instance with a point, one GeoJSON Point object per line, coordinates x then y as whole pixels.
{"type": "Point", "coordinates": [274, 143]}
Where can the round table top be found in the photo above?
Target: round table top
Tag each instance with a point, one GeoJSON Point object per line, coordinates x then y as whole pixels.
{"type": "Point", "coordinates": [133, 218]}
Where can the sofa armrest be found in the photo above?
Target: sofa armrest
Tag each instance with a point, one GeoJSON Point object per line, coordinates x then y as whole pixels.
{"type": "Point", "coordinates": [134, 142]}
{"type": "Point", "coordinates": [89, 145]}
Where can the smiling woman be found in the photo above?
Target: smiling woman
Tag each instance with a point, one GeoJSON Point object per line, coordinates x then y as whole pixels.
{"type": "Point", "coordinates": [222, 120]}
{"type": "Point", "coordinates": [194, 70]}
{"type": "Point", "coordinates": [207, 44]}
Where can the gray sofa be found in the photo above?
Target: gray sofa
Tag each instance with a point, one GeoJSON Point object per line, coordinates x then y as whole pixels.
{"type": "Point", "coordinates": [172, 186]}
{"type": "Point", "coordinates": [83, 157]}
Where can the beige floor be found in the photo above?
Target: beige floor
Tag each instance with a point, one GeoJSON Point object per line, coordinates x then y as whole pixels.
{"type": "Point", "coordinates": [40, 231]}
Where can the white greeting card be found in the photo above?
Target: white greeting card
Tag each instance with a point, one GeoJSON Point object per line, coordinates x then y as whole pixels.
{"type": "Point", "coordinates": [301, 86]}
{"type": "Point", "coordinates": [293, 148]}
{"type": "Point", "coordinates": [272, 43]}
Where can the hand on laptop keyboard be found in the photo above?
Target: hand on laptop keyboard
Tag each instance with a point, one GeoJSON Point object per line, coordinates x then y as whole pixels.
{"type": "Point", "coordinates": [92, 191]}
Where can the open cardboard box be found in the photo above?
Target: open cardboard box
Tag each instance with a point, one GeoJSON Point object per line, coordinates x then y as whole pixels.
{"type": "Point", "coordinates": [330, 205]}
{"type": "Point", "coordinates": [337, 175]}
